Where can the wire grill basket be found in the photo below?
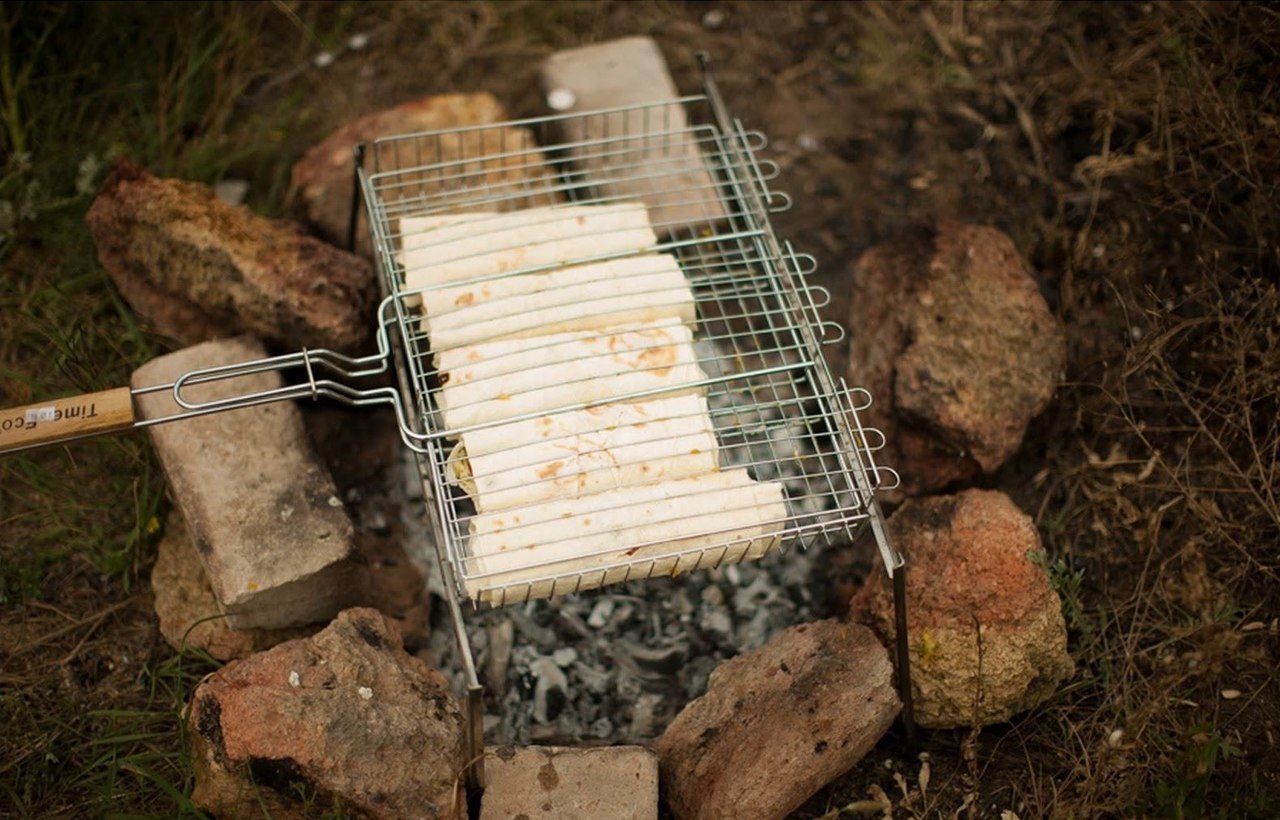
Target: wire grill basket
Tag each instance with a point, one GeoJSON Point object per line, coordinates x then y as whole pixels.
{"type": "Point", "coordinates": [776, 410]}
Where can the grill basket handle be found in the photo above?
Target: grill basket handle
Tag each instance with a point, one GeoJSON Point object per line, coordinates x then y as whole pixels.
{"type": "Point", "coordinates": [73, 417]}
{"type": "Point", "coordinates": [78, 417]}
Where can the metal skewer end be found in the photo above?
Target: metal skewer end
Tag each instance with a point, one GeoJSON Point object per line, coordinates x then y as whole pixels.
{"type": "Point", "coordinates": [353, 218]}
{"type": "Point", "coordinates": [903, 656]}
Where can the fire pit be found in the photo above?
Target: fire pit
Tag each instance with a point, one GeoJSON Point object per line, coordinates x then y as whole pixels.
{"type": "Point", "coordinates": [609, 370]}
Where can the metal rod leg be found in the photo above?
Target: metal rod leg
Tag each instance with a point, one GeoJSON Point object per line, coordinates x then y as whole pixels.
{"type": "Point", "coordinates": [475, 737]}
{"type": "Point", "coordinates": [904, 657]}
{"type": "Point", "coordinates": [898, 573]}
{"type": "Point", "coordinates": [474, 699]}
{"type": "Point", "coordinates": [353, 218]}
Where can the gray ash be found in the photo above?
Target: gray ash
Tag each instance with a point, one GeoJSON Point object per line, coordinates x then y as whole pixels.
{"type": "Point", "coordinates": [616, 664]}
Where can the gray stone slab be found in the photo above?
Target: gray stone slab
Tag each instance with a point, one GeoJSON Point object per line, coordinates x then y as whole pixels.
{"type": "Point", "coordinates": [606, 783]}
{"type": "Point", "coordinates": [275, 540]}
{"type": "Point", "coordinates": [648, 153]}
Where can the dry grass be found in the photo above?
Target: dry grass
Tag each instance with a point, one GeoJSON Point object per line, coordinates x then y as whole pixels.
{"type": "Point", "coordinates": [1172, 509]}
{"type": "Point", "coordinates": [1162, 454]}
{"type": "Point", "coordinates": [1133, 153]}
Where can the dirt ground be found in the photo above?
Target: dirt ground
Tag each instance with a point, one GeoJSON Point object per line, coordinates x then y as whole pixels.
{"type": "Point", "coordinates": [1132, 151]}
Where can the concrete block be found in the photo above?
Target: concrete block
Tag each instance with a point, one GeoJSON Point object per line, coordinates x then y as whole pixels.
{"type": "Point", "coordinates": [659, 161]}
{"type": "Point", "coordinates": [275, 540]}
{"type": "Point", "coordinates": [606, 783]}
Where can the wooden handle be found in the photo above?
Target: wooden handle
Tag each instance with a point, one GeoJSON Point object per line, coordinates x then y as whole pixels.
{"type": "Point", "coordinates": [59, 419]}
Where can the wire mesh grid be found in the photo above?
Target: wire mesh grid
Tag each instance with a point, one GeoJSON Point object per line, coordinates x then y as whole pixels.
{"type": "Point", "coordinates": [752, 361]}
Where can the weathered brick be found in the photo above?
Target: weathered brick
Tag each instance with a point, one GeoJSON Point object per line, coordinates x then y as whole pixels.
{"type": "Point", "coordinates": [322, 178]}
{"type": "Point", "coordinates": [664, 167]}
{"type": "Point", "coordinates": [958, 347]}
{"type": "Point", "coordinates": [985, 629]}
{"type": "Point", "coordinates": [346, 715]}
{"type": "Point", "coordinates": [779, 723]}
{"type": "Point", "coordinates": [196, 268]}
{"type": "Point", "coordinates": [607, 783]}
{"type": "Point", "coordinates": [275, 540]}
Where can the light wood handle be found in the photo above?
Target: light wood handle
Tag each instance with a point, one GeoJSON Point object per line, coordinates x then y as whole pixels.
{"type": "Point", "coordinates": [52, 421]}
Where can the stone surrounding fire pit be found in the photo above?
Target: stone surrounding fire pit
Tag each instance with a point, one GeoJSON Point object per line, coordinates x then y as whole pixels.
{"type": "Point", "coordinates": [958, 349]}
{"type": "Point", "coordinates": [347, 715]}
{"type": "Point", "coordinates": [322, 178]}
{"type": "Point", "coordinates": [604, 783]}
{"type": "Point", "coordinates": [196, 268]}
{"type": "Point", "coordinates": [779, 723]}
{"type": "Point", "coordinates": [263, 511]}
{"type": "Point", "coordinates": [987, 638]}
{"type": "Point", "coordinates": [187, 608]}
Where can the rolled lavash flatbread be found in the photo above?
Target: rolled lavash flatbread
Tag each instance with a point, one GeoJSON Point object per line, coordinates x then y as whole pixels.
{"type": "Point", "coordinates": [436, 254]}
{"type": "Point", "coordinates": [569, 455]}
{"type": "Point", "coordinates": [499, 380]}
{"type": "Point", "coordinates": [670, 527]}
{"type": "Point", "coordinates": [412, 230]}
{"type": "Point", "coordinates": [642, 288]}
{"type": "Point", "coordinates": [435, 230]}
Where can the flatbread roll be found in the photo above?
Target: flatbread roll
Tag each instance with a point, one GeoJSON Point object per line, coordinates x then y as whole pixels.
{"type": "Point", "coordinates": [413, 229]}
{"type": "Point", "coordinates": [569, 455]}
{"type": "Point", "coordinates": [436, 254]}
{"type": "Point", "coordinates": [499, 380]}
{"type": "Point", "coordinates": [665, 528]}
{"type": "Point", "coordinates": [644, 288]}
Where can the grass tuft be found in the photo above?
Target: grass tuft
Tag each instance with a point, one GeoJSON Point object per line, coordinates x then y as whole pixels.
{"type": "Point", "coordinates": [90, 695]}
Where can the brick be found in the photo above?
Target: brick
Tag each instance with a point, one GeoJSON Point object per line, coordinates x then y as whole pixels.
{"type": "Point", "coordinates": [666, 169]}
{"type": "Point", "coordinates": [275, 541]}
{"type": "Point", "coordinates": [778, 724]}
{"type": "Point", "coordinates": [607, 783]}
{"type": "Point", "coordinates": [959, 349]}
{"type": "Point", "coordinates": [346, 715]}
{"type": "Point", "coordinates": [321, 179]}
{"type": "Point", "coordinates": [985, 632]}
{"type": "Point", "coordinates": [187, 610]}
